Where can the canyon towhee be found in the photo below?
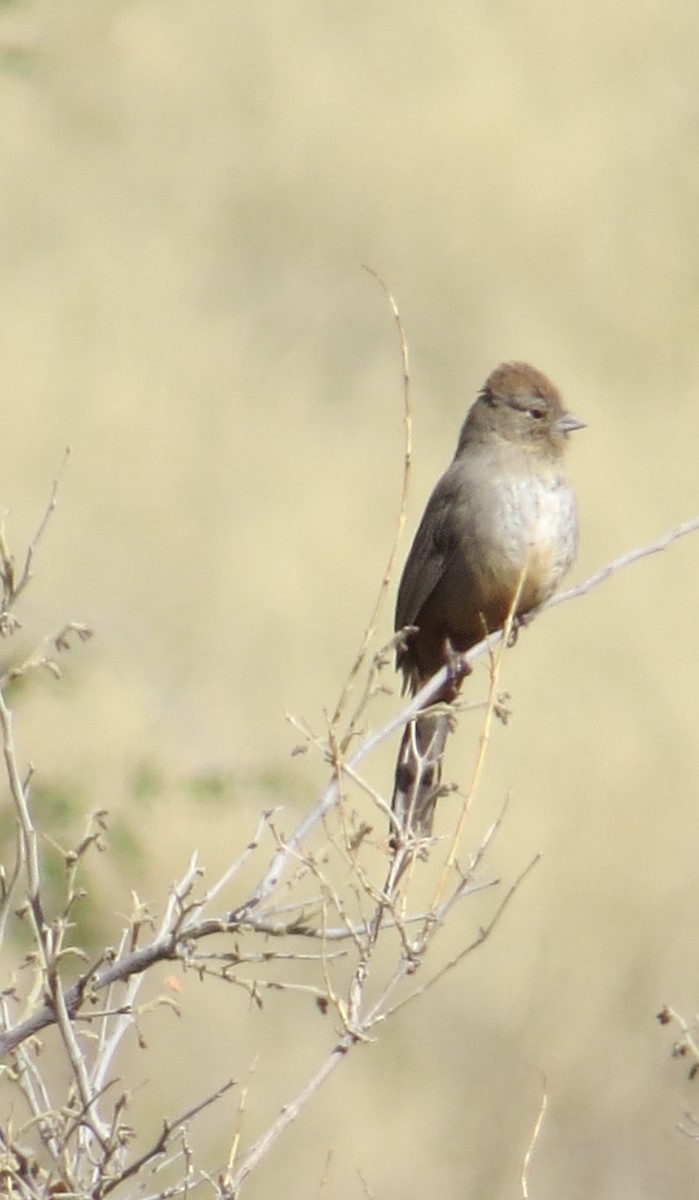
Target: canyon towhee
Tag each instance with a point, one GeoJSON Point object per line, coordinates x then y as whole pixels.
{"type": "Point", "coordinates": [500, 529]}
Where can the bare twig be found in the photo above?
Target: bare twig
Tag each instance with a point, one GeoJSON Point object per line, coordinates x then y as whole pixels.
{"type": "Point", "coordinates": [532, 1143]}
{"type": "Point", "coordinates": [378, 1012]}
{"type": "Point", "coordinates": [285, 1117]}
{"type": "Point", "coordinates": [13, 586]}
{"type": "Point", "coordinates": [400, 520]}
{"type": "Point", "coordinates": [625, 560]}
{"type": "Point", "coordinates": [160, 1145]}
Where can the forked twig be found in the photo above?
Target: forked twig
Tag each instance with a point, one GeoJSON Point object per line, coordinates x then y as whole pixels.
{"type": "Point", "coordinates": [13, 586]}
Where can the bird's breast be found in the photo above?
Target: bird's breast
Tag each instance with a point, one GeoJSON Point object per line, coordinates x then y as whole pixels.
{"type": "Point", "coordinates": [530, 535]}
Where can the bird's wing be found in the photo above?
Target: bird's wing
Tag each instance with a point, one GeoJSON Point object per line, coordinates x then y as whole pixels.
{"type": "Point", "coordinates": [427, 559]}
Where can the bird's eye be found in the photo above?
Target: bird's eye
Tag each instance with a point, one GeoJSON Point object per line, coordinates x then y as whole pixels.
{"type": "Point", "coordinates": [537, 411]}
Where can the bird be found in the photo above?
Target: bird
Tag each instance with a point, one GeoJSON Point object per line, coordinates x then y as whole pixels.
{"type": "Point", "coordinates": [498, 534]}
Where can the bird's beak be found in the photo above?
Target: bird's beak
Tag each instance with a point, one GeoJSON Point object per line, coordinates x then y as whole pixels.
{"type": "Point", "coordinates": [567, 423]}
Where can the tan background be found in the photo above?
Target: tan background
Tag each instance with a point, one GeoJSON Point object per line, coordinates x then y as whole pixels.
{"type": "Point", "coordinates": [186, 194]}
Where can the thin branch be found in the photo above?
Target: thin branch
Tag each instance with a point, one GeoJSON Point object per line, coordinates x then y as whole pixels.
{"type": "Point", "coordinates": [484, 933]}
{"type": "Point", "coordinates": [532, 1143]}
{"type": "Point", "coordinates": [13, 587]}
{"type": "Point", "coordinates": [400, 521]}
{"type": "Point", "coordinates": [18, 791]}
{"type": "Point", "coordinates": [160, 1145]}
{"type": "Point", "coordinates": [286, 1117]}
{"type": "Point", "coordinates": [624, 560]}
{"type": "Point", "coordinates": [491, 705]}
{"type": "Point", "coordinates": [50, 509]}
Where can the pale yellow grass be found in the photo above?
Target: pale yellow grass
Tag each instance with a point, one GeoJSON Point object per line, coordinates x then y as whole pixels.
{"type": "Point", "coordinates": [186, 193]}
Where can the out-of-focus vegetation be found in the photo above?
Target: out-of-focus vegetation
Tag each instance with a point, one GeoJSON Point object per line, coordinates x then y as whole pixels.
{"type": "Point", "coordinates": [186, 194]}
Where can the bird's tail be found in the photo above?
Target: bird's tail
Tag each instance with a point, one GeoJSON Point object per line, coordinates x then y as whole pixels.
{"type": "Point", "coordinates": [418, 774]}
{"type": "Point", "coordinates": [416, 788]}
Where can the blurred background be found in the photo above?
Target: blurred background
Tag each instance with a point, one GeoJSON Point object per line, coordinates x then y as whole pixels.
{"type": "Point", "coordinates": [187, 192]}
